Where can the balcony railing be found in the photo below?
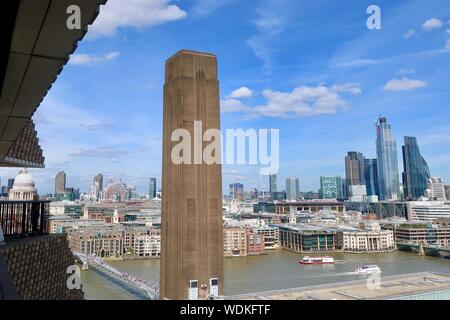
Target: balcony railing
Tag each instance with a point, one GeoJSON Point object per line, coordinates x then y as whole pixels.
{"type": "Point", "coordinates": [21, 219]}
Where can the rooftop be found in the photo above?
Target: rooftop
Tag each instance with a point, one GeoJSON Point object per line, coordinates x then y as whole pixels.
{"type": "Point", "coordinates": [391, 288]}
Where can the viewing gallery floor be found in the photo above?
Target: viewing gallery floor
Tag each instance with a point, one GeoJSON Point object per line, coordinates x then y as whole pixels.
{"type": "Point", "coordinates": [426, 285]}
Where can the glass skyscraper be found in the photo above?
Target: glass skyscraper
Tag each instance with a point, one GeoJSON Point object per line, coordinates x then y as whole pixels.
{"type": "Point", "coordinates": [354, 168]}
{"type": "Point", "coordinates": [388, 178]}
{"type": "Point", "coordinates": [415, 170]}
{"type": "Point", "coordinates": [152, 188]}
{"type": "Point", "coordinates": [371, 177]}
{"type": "Point", "coordinates": [272, 183]}
{"type": "Point", "coordinates": [292, 188]}
{"type": "Point", "coordinates": [331, 188]}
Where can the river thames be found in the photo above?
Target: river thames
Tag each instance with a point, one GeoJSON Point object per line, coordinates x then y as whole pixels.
{"type": "Point", "coordinates": [279, 269]}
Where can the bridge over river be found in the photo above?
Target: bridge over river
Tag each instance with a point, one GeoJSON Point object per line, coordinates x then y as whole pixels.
{"type": "Point", "coordinates": [140, 288]}
{"type": "Point", "coordinates": [428, 250]}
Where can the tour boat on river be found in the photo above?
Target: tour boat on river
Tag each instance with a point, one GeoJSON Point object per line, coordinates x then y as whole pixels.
{"type": "Point", "coordinates": [316, 260]}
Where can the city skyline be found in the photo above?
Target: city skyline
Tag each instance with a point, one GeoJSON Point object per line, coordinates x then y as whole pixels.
{"type": "Point", "coordinates": [83, 128]}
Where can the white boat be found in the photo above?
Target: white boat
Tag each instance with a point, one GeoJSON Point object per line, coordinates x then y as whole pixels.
{"type": "Point", "coordinates": [317, 260]}
{"type": "Point", "coordinates": [368, 269]}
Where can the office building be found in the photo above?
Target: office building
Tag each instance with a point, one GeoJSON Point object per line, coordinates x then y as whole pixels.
{"type": "Point", "coordinates": [60, 182]}
{"type": "Point", "coordinates": [191, 217]}
{"type": "Point", "coordinates": [272, 183]}
{"type": "Point", "coordinates": [354, 170]}
{"type": "Point", "coordinates": [415, 170]}
{"type": "Point", "coordinates": [436, 189]}
{"type": "Point", "coordinates": [97, 186]}
{"type": "Point", "coordinates": [301, 238]}
{"type": "Point", "coordinates": [237, 191]}
{"type": "Point", "coordinates": [427, 210]}
{"type": "Point", "coordinates": [365, 240]}
{"type": "Point", "coordinates": [10, 183]}
{"type": "Point", "coordinates": [371, 177]}
{"type": "Point", "coordinates": [152, 188]}
{"type": "Point", "coordinates": [426, 234]}
{"type": "Point", "coordinates": [292, 188]}
{"type": "Point", "coordinates": [331, 187]}
{"type": "Point", "coordinates": [388, 177]}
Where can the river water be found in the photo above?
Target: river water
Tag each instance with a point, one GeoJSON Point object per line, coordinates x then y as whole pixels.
{"type": "Point", "coordinates": [278, 269]}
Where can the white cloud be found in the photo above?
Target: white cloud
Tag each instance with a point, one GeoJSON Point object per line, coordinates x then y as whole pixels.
{"type": "Point", "coordinates": [404, 84]}
{"type": "Point", "coordinates": [269, 24]}
{"type": "Point", "coordinates": [408, 34]}
{"type": "Point", "coordinates": [432, 24]}
{"type": "Point", "coordinates": [86, 59]}
{"type": "Point", "coordinates": [232, 105]}
{"type": "Point", "coordinates": [407, 71]}
{"type": "Point", "coordinates": [99, 152]}
{"type": "Point", "coordinates": [435, 136]}
{"type": "Point", "coordinates": [448, 31]}
{"type": "Point", "coordinates": [355, 63]}
{"type": "Point", "coordinates": [133, 13]}
{"type": "Point", "coordinates": [242, 92]}
{"type": "Point", "coordinates": [447, 45]}
{"type": "Point", "coordinates": [303, 101]}
{"type": "Point", "coordinates": [206, 7]}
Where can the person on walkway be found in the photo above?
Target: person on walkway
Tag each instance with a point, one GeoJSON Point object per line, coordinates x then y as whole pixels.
{"type": "Point", "coordinates": [35, 214]}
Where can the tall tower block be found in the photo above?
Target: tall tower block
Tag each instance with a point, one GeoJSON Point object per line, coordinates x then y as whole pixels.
{"type": "Point", "coordinates": [191, 225]}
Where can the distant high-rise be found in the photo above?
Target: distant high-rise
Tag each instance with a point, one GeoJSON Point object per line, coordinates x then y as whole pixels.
{"type": "Point", "coordinates": [191, 216]}
{"type": "Point", "coordinates": [292, 188]}
{"type": "Point", "coordinates": [447, 191]}
{"type": "Point", "coordinates": [237, 191]}
{"type": "Point", "coordinates": [388, 177]}
{"type": "Point", "coordinates": [10, 183]}
{"type": "Point", "coordinates": [371, 177]}
{"type": "Point", "coordinates": [273, 183]}
{"type": "Point", "coordinates": [60, 182]}
{"type": "Point", "coordinates": [415, 170]}
{"type": "Point", "coordinates": [331, 187]}
{"type": "Point", "coordinates": [354, 170]}
{"type": "Point", "coordinates": [152, 188]}
{"type": "Point", "coordinates": [97, 186]}
{"type": "Point", "coordinates": [436, 189]}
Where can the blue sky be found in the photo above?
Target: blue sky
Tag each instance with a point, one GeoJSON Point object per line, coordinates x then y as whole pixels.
{"type": "Point", "coordinates": [310, 68]}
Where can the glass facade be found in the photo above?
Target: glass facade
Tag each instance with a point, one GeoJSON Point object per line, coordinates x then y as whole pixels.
{"type": "Point", "coordinates": [152, 188]}
{"type": "Point", "coordinates": [416, 172]}
{"type": "Point", "coordinates": [272, 183]}
{"type": "Point", "coordinates": [437, 295]}
{"type": "Point", "coordinates": [292, 188]}
{"type": "Point", "coordinates": [371, 177]}
{"type": "Point", "coordinates": [354, 168]}
{"type": "Point", "coordinates": [331, 187]}
{"type": "Point", "coordinates": [387, 162]}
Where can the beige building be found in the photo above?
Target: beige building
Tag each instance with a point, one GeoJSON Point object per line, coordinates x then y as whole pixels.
{"type": "Point", "coordinates": [191, 217]}
{"type": "Point", "coordinates": [364, 241]}
{"type": "Point", "coordinates": [235, 242]}
{"type": "Point", "coordinates": [271, 236]}
{"type": "Point", "coordinates": [424, 234]}
{"type": "Point", "coordinates": [147, 245]}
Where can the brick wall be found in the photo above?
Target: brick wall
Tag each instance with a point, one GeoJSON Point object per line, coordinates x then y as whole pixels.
{"type": "Point", "coordinates": [38, 267]}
